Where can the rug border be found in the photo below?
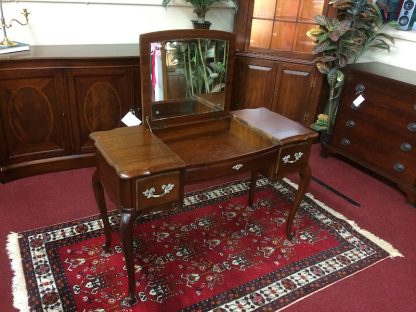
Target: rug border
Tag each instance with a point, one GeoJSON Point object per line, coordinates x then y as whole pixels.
{"type": "Point", "coordinates": [383, 244]}
{"type": "Point", "coordinates": [19, 289]}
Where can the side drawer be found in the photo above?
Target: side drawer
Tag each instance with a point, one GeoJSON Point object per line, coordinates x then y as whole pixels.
{"type": "Point", "coordinates": [157, 190]}
{"type": "Point", "coordinates": [230, 167]}
{"type": "Point", "coordinates": [292, 157]}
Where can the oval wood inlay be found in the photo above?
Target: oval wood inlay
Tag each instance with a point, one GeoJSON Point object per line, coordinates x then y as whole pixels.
{"type": "Point", "coordinates": [102, 107]}
{"type": "Point", "coordinates": [30, 115]}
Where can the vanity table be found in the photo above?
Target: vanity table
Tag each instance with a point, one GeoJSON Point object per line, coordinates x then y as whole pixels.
{"type": "Point", "coordinates": [189, 137]}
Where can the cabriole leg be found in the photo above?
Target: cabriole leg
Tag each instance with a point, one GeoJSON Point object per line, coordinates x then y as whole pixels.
{"type": "Point", "coordinates": [99, 198]}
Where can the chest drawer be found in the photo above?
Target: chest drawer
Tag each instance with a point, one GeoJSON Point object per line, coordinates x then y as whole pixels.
{"type": "Point", "coordinates": [400, 140]}
{"type": "Point", "coordinates": [224, 168]}
{"type": "Point", "coordinates": [157, 189]}
{"type": "Point", "coordinates": [393, 162]}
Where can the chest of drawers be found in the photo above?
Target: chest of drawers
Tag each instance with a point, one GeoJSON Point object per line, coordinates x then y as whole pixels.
{"type": "Point", "coordinates": [379, 133]}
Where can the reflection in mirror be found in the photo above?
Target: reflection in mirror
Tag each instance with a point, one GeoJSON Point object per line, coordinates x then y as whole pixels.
{"type": "Point", "coordinates": [188, 76]}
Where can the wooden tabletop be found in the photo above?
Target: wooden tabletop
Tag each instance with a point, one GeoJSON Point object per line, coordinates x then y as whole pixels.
{"type": "Point", "coordinates": [135, 151]}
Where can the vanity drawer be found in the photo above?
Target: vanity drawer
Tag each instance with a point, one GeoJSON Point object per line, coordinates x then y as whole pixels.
{"type": "Point", "coordinates": [230, 167]}
{"type": "Point", "coordinates": [292, 157]}
{"type": "Point", "coordinates": [157, 189]}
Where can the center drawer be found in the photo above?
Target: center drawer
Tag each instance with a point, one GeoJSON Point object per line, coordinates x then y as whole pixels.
{"type": "Point", "coordinates": [230, 167]}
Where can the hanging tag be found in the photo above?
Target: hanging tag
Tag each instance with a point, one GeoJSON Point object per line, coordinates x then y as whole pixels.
{"type": "Point", "coordinates": [131, 120]}
{"type": "Point", "coordinates": [357, 102]}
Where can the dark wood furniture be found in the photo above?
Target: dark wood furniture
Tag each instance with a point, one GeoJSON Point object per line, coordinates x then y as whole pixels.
{"type": "Point", "coordinates": [145, 168]}
{"type": "Point", "coordinates": [53, 97]}
{"type": "Point", "coordinates": [274, 66]}
{"type": "Point", "coordinates": [380, 133]}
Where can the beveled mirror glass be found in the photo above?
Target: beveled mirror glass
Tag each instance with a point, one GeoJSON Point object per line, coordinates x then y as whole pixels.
{"type": "Point", "coordinates": [184, 73]}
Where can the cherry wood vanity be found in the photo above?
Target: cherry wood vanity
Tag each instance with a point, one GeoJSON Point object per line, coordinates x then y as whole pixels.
{"type": "Point", "coordinates": [188, 138]}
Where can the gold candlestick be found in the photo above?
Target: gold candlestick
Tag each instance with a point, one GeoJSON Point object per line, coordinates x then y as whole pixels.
{"type": "Point", "coordinates": [6, 42]}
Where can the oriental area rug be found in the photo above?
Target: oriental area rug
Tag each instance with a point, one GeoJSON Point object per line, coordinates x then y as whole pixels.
{"type": "Point", "coordinates": [214, 254]}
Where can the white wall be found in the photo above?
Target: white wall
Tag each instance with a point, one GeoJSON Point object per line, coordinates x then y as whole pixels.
{"type": "Point", "coordinates": [90, 22]}
{"type": "Point", "coordinates": [402, 53]}
{"type": "Point", "coordinates": [100, 21]}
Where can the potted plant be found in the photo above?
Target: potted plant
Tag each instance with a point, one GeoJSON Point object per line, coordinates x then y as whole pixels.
{"type": "Point", "coordinates": [341, 40]}
{"type": "Point", "coordinates": [200, 9]}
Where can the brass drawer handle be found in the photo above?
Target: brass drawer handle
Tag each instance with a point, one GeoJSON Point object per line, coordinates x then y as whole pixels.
{"type": "Point", "coordinates": [297, 156]}
{"type": "Point", "coordinates": [406, 147]}
{"type": "Point", "coordinates": [411, 127]}
{"type": "Point", "coordinates": [238, 167]}
{"type": "Point", "coordinates": [350, 124]}
{"type": "Point", "coordinates": [150, 193]}
{"type": "Point", "coordinates": [345, 142]}
{"type": "Point", "coordinates": [359, 88]}
{"type": "Point", "coordinates": [398, 167]}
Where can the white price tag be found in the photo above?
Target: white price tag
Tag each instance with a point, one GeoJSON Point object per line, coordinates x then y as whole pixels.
{"type": "Point", "coordinates": [357, 102]}
{"type": "Point", "coordinates": [131, 120]}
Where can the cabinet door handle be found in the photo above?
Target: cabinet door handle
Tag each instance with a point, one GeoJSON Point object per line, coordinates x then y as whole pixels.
{"type": "Point", "coordinates": [411, 127]}
{"type": "Point", "coordinates": [256, 67]}
{"type": "Point", "coordinates": [398, 167]}
{"type": "Point", "coordinates": [350, 124]}
{"type": "Point", "coordinates": [150, 193]}
{"type": "Point", "coordinates": [406, 147]}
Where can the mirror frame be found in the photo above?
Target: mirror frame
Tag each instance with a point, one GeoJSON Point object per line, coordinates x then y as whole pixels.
{"type": "Point", "coordinates": [145, 69]}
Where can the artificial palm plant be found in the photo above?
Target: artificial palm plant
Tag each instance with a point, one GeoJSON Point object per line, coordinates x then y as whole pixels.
{"type": "Point", "coordinates": [340, 41]}
{"type": "Point", "coordinates": [201, 6]}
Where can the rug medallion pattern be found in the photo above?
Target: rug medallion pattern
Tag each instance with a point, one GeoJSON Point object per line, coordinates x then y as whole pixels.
{"type": "Point", "coordinates": [215, 254]}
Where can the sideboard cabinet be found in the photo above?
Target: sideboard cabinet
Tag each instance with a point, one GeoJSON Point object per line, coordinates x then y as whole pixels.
{"type": "Point", "coordinates": [53, 97]}
{"type": "Point", "coordinates": [380, 132]}
{"type": "Point", "coordinates": [274, 64]}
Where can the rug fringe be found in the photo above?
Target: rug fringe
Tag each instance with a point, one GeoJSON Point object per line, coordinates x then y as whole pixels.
{"type": "Point", "coordinates": [20, 297]}
{"type": "Point", "coordinates": [375, 239]}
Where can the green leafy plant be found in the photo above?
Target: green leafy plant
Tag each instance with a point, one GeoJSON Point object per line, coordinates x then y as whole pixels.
{"type": "Point", "coordinates": [341, 40]}
{"type": "Point", "coordinates": [201, 6]}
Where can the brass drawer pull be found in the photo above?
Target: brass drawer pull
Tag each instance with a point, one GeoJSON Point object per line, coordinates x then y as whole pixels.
{"type": "Point", "coordinates": [238, 167]}
{"type": "Point", "coordinates": [406, 147]}
{"type": "Point", "coordinates": [412, 127]}
{"type": "Point", "coordinates": [345, 141]}
{"type": "Point", "coordinates": [150, 193]}
{"type": "Point", "coordinates": [398, 167]}
{"type": "Point", "coordinates": [297, 156]}
{"type": "Point", "coordinates": [350, 124]}
{"type": "Point", "coordinates": [359, 88]}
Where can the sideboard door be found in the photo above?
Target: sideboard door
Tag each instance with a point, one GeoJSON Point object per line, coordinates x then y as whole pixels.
{"type": "Point", "coordinates": [33, 116]}
{"type": "Point", "coordinates": [99, 98]}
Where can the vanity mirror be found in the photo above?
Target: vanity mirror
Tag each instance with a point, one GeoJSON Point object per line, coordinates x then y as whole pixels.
{"type": "Point", "coordinates": [186, 74]}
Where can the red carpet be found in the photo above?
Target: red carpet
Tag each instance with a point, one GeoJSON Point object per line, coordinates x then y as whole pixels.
{"type": "Point", "coordinates": [216, 254]}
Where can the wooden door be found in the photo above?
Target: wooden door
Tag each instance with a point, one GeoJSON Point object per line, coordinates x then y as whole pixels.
{"type": "Point", "coordinates": [297, 92]}
{"type": "Point", "coordinates": [99, 98]}
{"type": "Point", "coordinates": [34, 115]}
{"type": "Point", "coordinates": [254, 80]}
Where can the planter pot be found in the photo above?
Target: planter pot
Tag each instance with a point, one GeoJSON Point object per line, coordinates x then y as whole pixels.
{"type": "Point", "coordinates": [199, 25]}
{"type": "Point", "coordinates": [324, 138]}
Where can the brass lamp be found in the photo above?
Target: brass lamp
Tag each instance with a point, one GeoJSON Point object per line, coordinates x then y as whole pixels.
{"type": "Point", "coordinates": [3, 26]}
